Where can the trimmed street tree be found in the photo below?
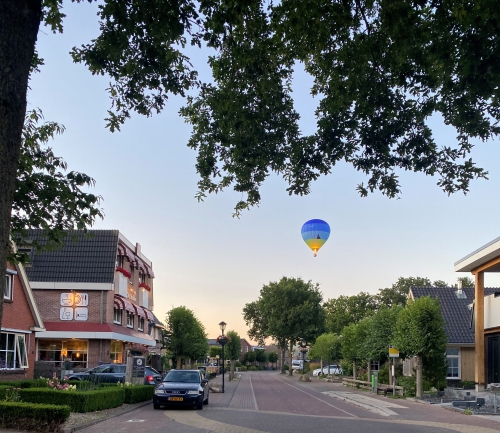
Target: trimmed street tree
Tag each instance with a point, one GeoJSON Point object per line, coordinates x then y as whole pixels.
{"type": "Point", "coordinates": [187, 337]}
{"type": "Point", "coordinates": [420, 332]}
{"type": "Point", "coordinates": [232, 350]}
{"type": "Point", "coordinates": [381, 71]}
{"type": "Point", "coordinates": [352, 343]}
{"type": "Point", "coordinates": [381, 328]}
{"type": "Point", "coordinates": [292, 309]}
{"type": "Point", "coordinates": [327, 348]}
{"type": "Point", "coordinates": [272, 357]}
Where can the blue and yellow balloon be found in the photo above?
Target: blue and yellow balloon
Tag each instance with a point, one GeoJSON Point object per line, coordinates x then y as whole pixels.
{"type": "Point", "coordinates": [315, 233]}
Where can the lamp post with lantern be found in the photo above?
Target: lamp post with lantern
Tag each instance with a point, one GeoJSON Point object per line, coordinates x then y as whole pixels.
{"type": "Point", "coordinates": [222, 340]}
{"type": "Point", "coordinates": [303, 350]}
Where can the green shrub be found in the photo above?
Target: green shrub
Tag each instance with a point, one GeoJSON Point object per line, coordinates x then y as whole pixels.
{"type": "Point", "coordinates": [286, 367]}
{"type": "Point", "coordinates": [251, 368]}
{"type": "Point", "coordinates": [346, 367]}
{"type": "Point", "coordinates": [237, 364]}
{"type": "Point", "coordinates": [259, 368]}
{"type": "Point", "coordinates": [364, 377]}
{"type": "Point", "coordinates": [32, 417]}
{"type": "Point", "coordinates": [26, 383]}
{"type": "Point", "coordinates": [86, 401]}
{"type": "Point", "coordinates": [383, 374]}
{"type": "Point", "coordinates": [242, 368]}
{"type": "Point", "coordinates": [138, 393]}
{"type": "Point", "coordinates": [409, 385]}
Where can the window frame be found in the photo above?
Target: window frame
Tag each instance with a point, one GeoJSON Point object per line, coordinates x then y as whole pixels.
{"type": "Point", "coordinates": [130, 320]}
{"type": "Point", "coordinates": [115, 315]}
{"type": "Point", "coordinates": [140, 323]}
{"type": "Point", "coordinates": [9, 284]}
{"type": "Point", "coordinates": [19, 351]}
{"type": "Point", "coordinates": [458, 358]}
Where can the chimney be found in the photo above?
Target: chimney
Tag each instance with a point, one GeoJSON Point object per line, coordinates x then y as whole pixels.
{"type": "Point", "coordinates": [460, 293]}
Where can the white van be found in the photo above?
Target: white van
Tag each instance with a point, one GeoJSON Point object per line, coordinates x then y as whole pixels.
{"type": "Point", "coordinates": [297, 364]}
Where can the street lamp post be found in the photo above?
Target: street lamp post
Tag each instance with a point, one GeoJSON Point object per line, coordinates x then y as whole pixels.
{"type": "Point", "coordinates": [222, 340]}
{"type": "Point", "coordinates": [303, 349]}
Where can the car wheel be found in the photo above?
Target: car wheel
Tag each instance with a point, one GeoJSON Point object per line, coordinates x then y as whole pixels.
{"type": "Point", "coordinates": [199, 404]}
{"type": "Point", "coordinates": [206, 401]}
{"type": "Point", "coordinates": [156, 405]}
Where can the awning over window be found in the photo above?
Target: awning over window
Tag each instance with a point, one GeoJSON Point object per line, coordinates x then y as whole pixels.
{"type": "Point", "coordinates": [126, 252]}
{"type": "Point", "coordinates": [139, 311]}
{"type": "Point", "coordinates": [149, 271]}
{"type": "Point", "coordinates": [149, 315]}
{"type": "Point", "coordinates": [124, 304]}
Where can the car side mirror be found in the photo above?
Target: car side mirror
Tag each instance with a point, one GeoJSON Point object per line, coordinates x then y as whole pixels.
{"type": "Point", "coordinates": [204, 381]}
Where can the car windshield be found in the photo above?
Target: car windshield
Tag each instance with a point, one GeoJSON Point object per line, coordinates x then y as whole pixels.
{"type": "Point", "coordinates": [182, 376]}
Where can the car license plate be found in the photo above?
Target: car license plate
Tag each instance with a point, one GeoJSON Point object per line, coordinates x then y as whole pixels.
{"type": "Point", "coordinates": [176, 398]}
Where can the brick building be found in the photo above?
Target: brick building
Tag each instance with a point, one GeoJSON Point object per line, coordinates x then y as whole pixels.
{"type": "Point", "coordinates": [21, 319]}
{"type": "Point", "coordinates": [95, 296]}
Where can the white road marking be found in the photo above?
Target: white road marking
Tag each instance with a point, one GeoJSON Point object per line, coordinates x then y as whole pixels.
{"type": "Point", "coordinates": [380, 407]}
{"type": "Point", "coordinates": [253, 394]}
{"type": "Point", "coordinates": [317, 398]}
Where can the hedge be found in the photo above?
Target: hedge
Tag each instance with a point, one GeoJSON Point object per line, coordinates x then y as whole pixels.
{"type": "Point", "coordinates": [32, 417]}
{"type": "Point", "coordinates": [78, 401]}
{"type": "Point", "coordinates": [138, 393]}
{"type": "Point", "coordinates": [26, 383]}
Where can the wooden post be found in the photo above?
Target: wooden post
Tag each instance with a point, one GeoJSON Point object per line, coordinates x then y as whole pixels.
{"type": "Point", "coordinates": [479, 331]}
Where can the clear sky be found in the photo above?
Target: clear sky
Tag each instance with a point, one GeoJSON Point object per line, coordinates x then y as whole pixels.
{"type": "Point", "coordinates": [214, 264]}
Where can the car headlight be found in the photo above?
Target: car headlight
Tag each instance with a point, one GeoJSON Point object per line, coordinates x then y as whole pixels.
{"type": "Point", "coordinates": [159, 391]}
{"type": "Point", "coordinates": [193, 392]}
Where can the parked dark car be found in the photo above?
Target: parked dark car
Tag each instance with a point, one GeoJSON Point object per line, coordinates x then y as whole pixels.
{"type": "Point", "coordinates": [182, 387]}
{"type": "Point", "coordinates": [113, 373]}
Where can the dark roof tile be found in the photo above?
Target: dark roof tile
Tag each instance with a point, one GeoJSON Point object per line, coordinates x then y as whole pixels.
{"type": "Point", "coordinates": [455, 311]}
{"type": "Point", "coordinates": [84, 258]}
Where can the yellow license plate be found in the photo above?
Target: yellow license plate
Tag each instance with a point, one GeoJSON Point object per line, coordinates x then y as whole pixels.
{"type": "Point", "coordinates": [176, 398]}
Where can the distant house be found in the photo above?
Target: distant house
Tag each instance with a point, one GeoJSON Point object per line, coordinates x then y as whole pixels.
{"type": "Point", "coordinates": [457, 311]}
{"type": "Point", "coordinates": [95, 296]}
{"type": "Point", "coordinates": [21, 319]}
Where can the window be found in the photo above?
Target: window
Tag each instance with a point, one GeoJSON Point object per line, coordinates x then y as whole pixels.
{"type": "Point", "coordinates": [130, 320]}
{"type": "Point", "coordinates": [13, 351]}
{"type": "Point", "coordinates": [453, 361]}
{"type": "Point", "coordinates": [142, 278]}
{"type": "Point", "coordinates": [131, 279]}
{"type": "Point", "coordinates": [116, 352]}
{"type": "Point", "coordinates": [119, 261]}
{"type": "Point", "coordinates": [140, 324]}
{"type": "Point", "coordinates": [117, 316]}
{"type": "Point", "coordinates": [62, 351]}
{"type": "Point", "coordinates": [375, 365]}
{"type": "Point", "coordinates": [9, 280]}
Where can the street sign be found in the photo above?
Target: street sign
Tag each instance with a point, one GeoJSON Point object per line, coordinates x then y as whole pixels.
{"type": "Point", "coordinates": [393, 352]}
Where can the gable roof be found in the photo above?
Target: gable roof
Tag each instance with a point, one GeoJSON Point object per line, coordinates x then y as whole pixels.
{"type": "Point", "coordinates": [455, 311]}
{"type": "Point", "coordinates": [85, 257]}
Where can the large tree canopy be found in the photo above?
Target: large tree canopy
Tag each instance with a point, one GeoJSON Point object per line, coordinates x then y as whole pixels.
{"type": "Point", "coordinates": [381, 69]}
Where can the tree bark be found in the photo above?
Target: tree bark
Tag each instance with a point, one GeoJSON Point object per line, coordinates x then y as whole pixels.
{"type": "Point", "coordinates": [369, 370]}
{"type": "Point", "coordinates": [354, 370]}
{"type": "Point", "coordinates": [419, 376]}
{"type": "Point", "coordinates": [19, 23]}
{"type": "Point", "coordinates": [290, 353]}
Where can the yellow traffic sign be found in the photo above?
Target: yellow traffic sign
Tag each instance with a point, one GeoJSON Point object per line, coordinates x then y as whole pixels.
{"type": "Point", "coordinates": [393, 352]}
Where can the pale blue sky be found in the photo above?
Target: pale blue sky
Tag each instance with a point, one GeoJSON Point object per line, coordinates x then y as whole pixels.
{"type": "Point", "coordinates": [212, 263]}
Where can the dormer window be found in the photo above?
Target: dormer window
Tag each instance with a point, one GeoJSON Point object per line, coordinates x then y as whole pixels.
{"type": "Point", "coordinates": [130, 320]}
{"type": "Point", "coordinates": [131, 279]}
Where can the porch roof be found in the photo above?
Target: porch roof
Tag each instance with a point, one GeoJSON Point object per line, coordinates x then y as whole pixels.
{"type": "Point", "coordinates": [480, 257]}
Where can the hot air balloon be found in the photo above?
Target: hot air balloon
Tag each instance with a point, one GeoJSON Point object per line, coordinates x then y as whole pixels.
{"type": "Point", "coordinates": [315, 233]}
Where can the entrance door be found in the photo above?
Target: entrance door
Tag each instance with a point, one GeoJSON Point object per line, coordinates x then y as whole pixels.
{"type": "Point", "coordinates": [493, 360]}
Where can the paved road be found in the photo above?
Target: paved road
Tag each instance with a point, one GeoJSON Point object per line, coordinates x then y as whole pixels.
{"type": "Point", "coordinates": [267, 402]}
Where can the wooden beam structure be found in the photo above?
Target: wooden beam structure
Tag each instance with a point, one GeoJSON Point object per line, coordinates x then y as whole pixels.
{"type": "Point", "coordinates": [480, 377]}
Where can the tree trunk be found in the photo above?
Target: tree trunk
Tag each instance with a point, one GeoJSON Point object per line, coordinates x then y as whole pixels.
{"type": "Point", "coordinates": [19, 23]}
{"type": "Point", "coordinates": [354, 370]}
{"type": "Point", "coordinates": [282, 360]}
{"type": "Point", "coordinates": [369, 379]}
{"type": "Point", "coordinates": [231, 371]}
{"type": "Point", "coordinates": [419, 376]}
{"type": "Point", "coordinates": [179, 363]}
{"type": "Point", "coordinates": [290, 353]}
